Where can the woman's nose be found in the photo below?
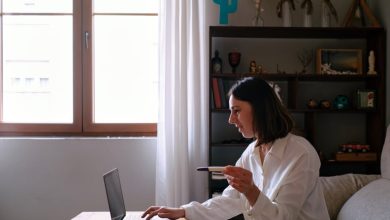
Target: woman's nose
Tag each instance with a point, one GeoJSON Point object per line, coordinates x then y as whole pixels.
{"type": "Point", "coordinates": [231, 119]}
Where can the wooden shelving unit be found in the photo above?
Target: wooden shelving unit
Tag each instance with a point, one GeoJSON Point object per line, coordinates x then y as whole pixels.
{"type": "Point", "coordinates": [369, 125]}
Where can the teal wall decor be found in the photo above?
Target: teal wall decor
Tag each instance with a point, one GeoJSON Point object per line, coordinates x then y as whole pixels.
{"type": "Point", "coordinates": [225, 8]}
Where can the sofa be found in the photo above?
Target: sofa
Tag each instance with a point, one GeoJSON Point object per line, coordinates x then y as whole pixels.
{"type": "Point", "coordinates": [359, 196]}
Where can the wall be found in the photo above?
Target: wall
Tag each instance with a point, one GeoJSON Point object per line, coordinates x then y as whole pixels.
{"type": "Point", "coordinates": [58, 178]}
{"type": "Point", "coordinates": [380, 8]}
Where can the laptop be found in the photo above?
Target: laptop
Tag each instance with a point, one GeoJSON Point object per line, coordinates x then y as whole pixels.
{"type": "Point", "coordinates": [116, 204]}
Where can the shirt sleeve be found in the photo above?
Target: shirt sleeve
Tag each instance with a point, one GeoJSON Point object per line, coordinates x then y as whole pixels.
{"type": "Point", "coordinates": [218, 208]}
{"type": "Point", "coordinates": [223, 207]}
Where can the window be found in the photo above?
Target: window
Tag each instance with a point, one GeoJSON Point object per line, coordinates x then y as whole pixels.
{"type": "Point", "coordinates": [83, 67]}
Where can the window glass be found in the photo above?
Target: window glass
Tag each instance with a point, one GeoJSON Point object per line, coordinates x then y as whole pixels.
{"type": "Point", "coordinates": [125, 69]}
{"type": "Point", "coordinates": [37, 69]}
{"type": "Point", "coordinates": [126, 6]}
{"type": "Point", "coordinates": [37, 6]}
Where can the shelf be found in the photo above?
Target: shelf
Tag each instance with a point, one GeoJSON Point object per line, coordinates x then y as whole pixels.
{"type": "Point", "coordinates": [298, 77]}
{"type": "Point", "coordinates": [294, 32]}
{"type": "Point", "coordinates": [319, 111]}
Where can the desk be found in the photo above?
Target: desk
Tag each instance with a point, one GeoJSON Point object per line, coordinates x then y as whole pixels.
{"type": "Point", "coordinates": [106, 216]}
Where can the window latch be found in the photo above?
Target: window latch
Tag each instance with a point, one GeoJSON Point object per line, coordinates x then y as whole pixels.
{"type": "Point", "coordinates": [86, 39]}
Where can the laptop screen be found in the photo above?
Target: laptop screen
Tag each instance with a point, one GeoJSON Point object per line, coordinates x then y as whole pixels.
{"type": "Point", "coordinates": [114, 193]}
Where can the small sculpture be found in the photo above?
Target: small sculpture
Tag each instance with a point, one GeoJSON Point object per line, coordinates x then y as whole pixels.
{"type": "Point", "coordinates": [312, 104]}
{"type": "Point", "coordinates": [371, 63]}
{"type": "Point", "coordinates": [260, 69]}
{"type": "Point", "coordinates": [325, 104]}
{"type": "Point", "coordinates": [252, 66]}
{"type": "Point", "coordinates": [341, 102]}
{"type": "Point", "coordinates": [305, 57]}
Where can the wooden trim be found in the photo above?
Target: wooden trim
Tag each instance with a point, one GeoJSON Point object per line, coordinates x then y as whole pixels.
{"type": "Point", "coordinates": [83, 99]}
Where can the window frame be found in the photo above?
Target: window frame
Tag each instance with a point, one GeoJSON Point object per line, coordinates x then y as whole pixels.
{"type": "Point", "coordinates": [83, 91]}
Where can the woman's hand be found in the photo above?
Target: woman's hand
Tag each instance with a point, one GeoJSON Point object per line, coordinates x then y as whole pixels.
{"type": "Point", "coordinates": [163, 212]}
{"type": "Point", "coordinates": [241, 179]}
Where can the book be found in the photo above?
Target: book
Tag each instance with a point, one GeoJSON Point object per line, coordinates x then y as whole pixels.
{"type": "Point", "coordinates": [216, 93]}
{"type": "Point", "coordinates": [224, 99]}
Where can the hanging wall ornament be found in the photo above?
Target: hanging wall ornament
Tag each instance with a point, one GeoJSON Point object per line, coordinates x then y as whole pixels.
{"type": "Point", "coordinates": [283, 11]}
{"type": "Point", "coordinates": [258, 19]}
{"type": "Point", "coordinates": [307, 7]}
{"type": "Point", "coordinates": [328, 11]}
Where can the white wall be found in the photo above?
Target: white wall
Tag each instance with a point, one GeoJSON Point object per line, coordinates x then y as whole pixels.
{"type": "Point", "coordinates": [58, 178]}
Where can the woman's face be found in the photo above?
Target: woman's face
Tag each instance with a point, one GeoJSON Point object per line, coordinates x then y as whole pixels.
{"type": "Point", "coordinates": [241, 116]}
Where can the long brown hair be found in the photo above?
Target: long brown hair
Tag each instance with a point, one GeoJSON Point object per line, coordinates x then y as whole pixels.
{"type": "Point", "coordinates": [271, 119]}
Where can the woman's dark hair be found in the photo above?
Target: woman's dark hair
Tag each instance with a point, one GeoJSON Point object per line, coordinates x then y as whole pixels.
{"type": "Point", "coordinates": [271, 120]}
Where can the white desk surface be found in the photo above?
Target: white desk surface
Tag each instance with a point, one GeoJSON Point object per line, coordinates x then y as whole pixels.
{"type": "Point", "coordinates": [106, 216]}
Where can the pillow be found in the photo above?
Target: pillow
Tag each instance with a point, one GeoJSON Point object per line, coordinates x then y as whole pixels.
{"type": "Point", "coordinates": [338, 189]}
{"type": "Point", "coordinates": [370, 202]}
{"type": "Point", "coordinates": [385, 157]}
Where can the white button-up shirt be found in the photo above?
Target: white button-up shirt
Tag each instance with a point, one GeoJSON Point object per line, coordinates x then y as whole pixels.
{"type": "Point", "coordinates": [288, 180]}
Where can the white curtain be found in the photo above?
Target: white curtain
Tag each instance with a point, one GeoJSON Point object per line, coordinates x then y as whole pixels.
{"type": "Point", "coordinates": [183, 119]}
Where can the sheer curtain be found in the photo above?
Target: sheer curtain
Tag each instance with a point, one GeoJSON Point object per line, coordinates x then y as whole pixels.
{"type": "Point", "coordinates": [183, 118]}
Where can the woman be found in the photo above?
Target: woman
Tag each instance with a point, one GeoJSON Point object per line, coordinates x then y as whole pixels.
{"type": "Point", "coordinates": [276, 177]}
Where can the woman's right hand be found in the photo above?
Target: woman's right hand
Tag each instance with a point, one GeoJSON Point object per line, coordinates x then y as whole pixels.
{"type": "Point", "coordinates": [163, 212]}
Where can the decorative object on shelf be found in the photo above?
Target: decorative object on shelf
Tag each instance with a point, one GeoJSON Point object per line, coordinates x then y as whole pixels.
{"type": "Point", "coordinates": [276, 88]}
{"type": "Point", "coordinates": [225, 8]}
{"type": "Point", "coordinates": [341, 102]}
{"type": "Point", "coordinates": [325, 104]}
{"type": "Point", "coordinates": [307, 7]}
{"type": "Point", "coordinates": [234, 60]}
{"type": "Point", "coordinates": [258, 19]}
{"type": "Point", "coordinates": [216, 62]}
{"type": "Point", "coordinates": [358, 14]}
{"type": "Point", "coordinates": [349, 147]}
{"type": "Point", "coordinates": [371, 63]}
{"type": "Point", "coordinates": [327, 12]}
{"type": "Point", "coordinates": [283, 10]}
{"type": "Point", "coordinates": [365, 99]}
{"type": "Point", "coordinates": [339, 61]}
{"type": "Point", "coordinates": [305, 57]}
{"type": "Point", "coordinates": [252, 67]}
{"type": "Point", "coordinates": [369, 156]}
{"type": "Point", "coordinates": [260, 69]}
{"type": "Point", "coordinates": [312, 104]}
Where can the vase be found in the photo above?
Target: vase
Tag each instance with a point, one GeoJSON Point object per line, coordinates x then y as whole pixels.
{"type": "Point", "coordinates": [325, 15]}
{"type": "Point", "coordinates": [258, 19]}
{"type": "Point", "coordinates": [216, 62]}
{"type": "Point", "coordinates": [286, 14]}
{"type": "Point", "coordinates": [307, 7]}
{"type": "Point", "coordinates": [307, 20]}
{"type": "Point", "coordinates": [234, 60]}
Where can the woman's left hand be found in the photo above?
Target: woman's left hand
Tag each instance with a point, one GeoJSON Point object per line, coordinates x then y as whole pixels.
{"type": "Point", "coordinates": [241, 180]}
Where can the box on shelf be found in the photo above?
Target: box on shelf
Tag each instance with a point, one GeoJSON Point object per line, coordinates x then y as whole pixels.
{"type": "Point", "coordinates": [367, 156]}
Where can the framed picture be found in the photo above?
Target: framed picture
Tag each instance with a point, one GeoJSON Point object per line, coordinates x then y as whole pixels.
{"type": "Point", "coordinates": [365, 99]}
{"type": "Point", "coordinates": [339, 61]}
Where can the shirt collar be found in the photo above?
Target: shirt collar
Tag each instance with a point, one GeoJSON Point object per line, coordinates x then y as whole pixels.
{"type": "Point", "coordinates": [279, 146]}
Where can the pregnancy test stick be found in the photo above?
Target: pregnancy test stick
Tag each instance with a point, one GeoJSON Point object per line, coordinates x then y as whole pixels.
{"type": "Point", "coordinates": [211, 169]}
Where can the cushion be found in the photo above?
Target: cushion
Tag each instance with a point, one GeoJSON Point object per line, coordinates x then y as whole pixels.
{"type": "Point", "coordinates": [338, 189]}
{"type": "Point", "coordinates": [385, 157]}
{"type": "Point", "coordinates": [370, 202]}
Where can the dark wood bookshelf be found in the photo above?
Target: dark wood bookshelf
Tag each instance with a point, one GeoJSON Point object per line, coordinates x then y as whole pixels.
{"type": "Point", "coordinates": [371, 121]}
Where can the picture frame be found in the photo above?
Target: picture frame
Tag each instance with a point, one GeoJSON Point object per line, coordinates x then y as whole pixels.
{"type": "Point", "coordinates": [339, 61]}
{"type": "Point", "coordinates": [365, 99]}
